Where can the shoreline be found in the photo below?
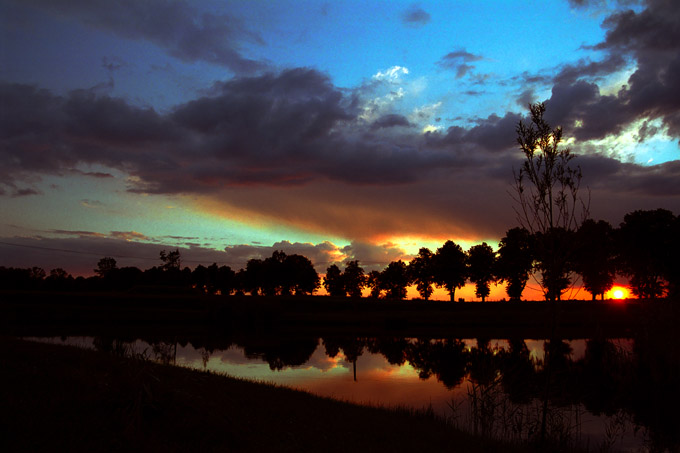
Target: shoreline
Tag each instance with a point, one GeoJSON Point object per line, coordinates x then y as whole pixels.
{"type": "Point", "coordinates": [60, 397]}
{"type": "Point", "coordinates": [25, 313]}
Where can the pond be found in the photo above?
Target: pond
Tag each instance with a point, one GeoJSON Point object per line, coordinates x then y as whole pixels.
{"type": "Point", "coordinates": [600, 394]}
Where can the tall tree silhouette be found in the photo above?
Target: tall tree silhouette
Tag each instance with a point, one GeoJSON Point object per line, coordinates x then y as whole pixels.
{"type": "Point", "coordinates": [354, 278]}
{"type": "Point", "coordinates": [450, 270]}
{"type": "Point", "coordinates": [105, 266]}
{"type": "Point", "coordinates": [300, 277]}
{"type": "Point", "coordinates": [554, 259]}
{"type": "Point", "coordinates": [333, 282]}
{"type": "Point", "coordinates": [273, 273]}
{"type": "Point", "coordinates": [373, 282]}
{"type": "Point", "coordinates": [594, 256]}
{"type": "Point", "coordinates": [515, 261]}
{"type": "Point", "coordinates": [221, 279]}
{"type": "Point", "coordinates": [254, 277]}
{"type": "Point", "coordinates": [200, 280]}
{"type": "Point", "coordinates": [481, 265]}
{"type": "Point", "coordinates": [547, 194]}
{"type": "Point", "coordinates": [672, 268]}
{"type": "Point", "coordinates": [645, 250]}
{"type": "Point", "coordinates": [171, 260]}
{"type": "Point", "coordinates": [421, 271]}
{"type": "Point", "coordinates": [394, 279]}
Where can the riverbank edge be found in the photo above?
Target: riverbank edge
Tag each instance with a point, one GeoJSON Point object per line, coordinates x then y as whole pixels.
{"type": "Point", "coordinates": [61, 398]}
{"type": "Point", "coordinates": [21, 311]}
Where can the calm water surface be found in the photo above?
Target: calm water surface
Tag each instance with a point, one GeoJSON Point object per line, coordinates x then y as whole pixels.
{"type": "Point", "coordinates": [481, 385]}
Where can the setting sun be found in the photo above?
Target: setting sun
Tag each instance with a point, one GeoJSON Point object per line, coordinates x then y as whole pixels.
{"type": "Point", "coordinates": [617, 292]}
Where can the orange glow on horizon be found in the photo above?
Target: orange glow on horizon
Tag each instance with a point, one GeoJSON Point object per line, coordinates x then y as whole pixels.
{"type": "Point", "coordinates": [618, 293]}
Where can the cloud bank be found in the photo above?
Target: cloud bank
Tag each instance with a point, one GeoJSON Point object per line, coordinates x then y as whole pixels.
{"type": "Point", "coordinates": [291, 146]}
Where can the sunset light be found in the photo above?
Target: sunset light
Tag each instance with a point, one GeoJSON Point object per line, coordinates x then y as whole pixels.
{"type": "Point", "coordinates": [329, 207]}
{"type": "Point", "coordinates": [617, 293]}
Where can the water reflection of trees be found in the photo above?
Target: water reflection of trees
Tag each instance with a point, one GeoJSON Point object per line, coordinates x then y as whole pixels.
{"type": "Point", "coordinates": [281, 353]}
{"type": "Point", "coordinates": [608, 379]}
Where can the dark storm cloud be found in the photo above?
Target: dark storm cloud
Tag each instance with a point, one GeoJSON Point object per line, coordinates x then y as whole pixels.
{"type": "Point", "coordinates": [390, 120]}
{"type": "Point", "coordinates": [651, 40]}
{"type": "Point", "coordinates": [659, 180]}
{"type": "Point", "coordinates": [77, 233]}
{"type": "Point", "coordinates": [582, 4]}
{"type": "Point", "coordinates": [24, 192]}
{"type": "Point", "coordinates": [586, 3]}
{"type": "Point", "coordinates": [592, 69]}
{"type": "Point", "coordinates": [334, 171]}
{"type": "Point", "coordinates": [458, 61]}
{"type": "Point", "coordinates": [276, 129]}
{"type": "Point", "coordinates": [494, 134]}
{"type": "Point", "coordinates": [415, 17]}
{"type": "Point", "coordinates": [92, 174]}
{"type": "Point", "coordinates": [41, 133]}
{"type": "Point", "coordinates": [177, 27]}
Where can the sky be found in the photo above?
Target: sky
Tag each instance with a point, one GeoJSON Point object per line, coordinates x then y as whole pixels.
{"type": "Point", "coordinates": [338, 130]}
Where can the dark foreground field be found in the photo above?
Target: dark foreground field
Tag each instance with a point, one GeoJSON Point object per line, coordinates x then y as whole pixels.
{"type": "Point", "coordinates": [74, 313]}
{"type": "Point", "coordinates": [57, 398]}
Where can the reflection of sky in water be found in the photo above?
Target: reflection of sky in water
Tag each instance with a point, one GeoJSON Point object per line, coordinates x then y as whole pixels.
{"type": "Point", "coordinates": [378, 382]}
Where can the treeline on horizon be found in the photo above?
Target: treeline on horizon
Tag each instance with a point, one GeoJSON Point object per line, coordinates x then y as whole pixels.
{"type": "Point", "coordinates": [644, 248]}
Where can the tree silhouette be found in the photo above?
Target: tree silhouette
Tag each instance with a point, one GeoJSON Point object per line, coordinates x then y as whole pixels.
{"type": "Point", "coordinates": [221, 279]}
{"type": "Point", "coordinates": [126, 277]}
{"type": "Point", "coordinates": [373, 282]}
{"type": "Point", "coordinates": [333, 282]}
{"type": "Point", "coordinates": [354, 278]}
{"type": "Point", "coordinates": [450, 271]}
{"type": "Point", "coordinates": [481, 265]}
{"type": "Point", "coordinates": [279, 274]}
{"type": "Point", "coordinates": [104, 266]}
{"type": "Point", "coordinates": [393, 349]}
{"type": "Point", "coordinates": [254, 276]}
{"type": "Point", "coordinates": [59, 280]}
{"type": "Point", "coordinates": [272, 275]}
{"type": "Point", "coordinates": [594, 256]}
{"type": "Point", "coordinates": [299, 275]}
{"type": "Point", "coordinates": [672, 267]}
{"type": "Point", "coordinates": [394, 279]}
{"type": "Point", "coordinates": [547, 188]}
{"type": "Point", "coordinates": [421, 272]}
{"type": "Point", "coordinates": [199, 278]}
{"type": "Point", "coordinates": [645, 245]}
{"type": "Point", "coordinates": [37, 274]}
{"type": "Point", "coordinates": [553, 254]}
{"type": "Point", "coordinates": [515, 261]}
{"type": "Point", "coordinates": [171, 260]}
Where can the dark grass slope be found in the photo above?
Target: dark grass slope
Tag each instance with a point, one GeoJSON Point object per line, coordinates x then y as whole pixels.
{"type": "Point", "coordinates": [57, 398]}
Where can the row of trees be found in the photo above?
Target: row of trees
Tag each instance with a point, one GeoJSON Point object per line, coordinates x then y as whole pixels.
{"type": "Point", "coordinates": [279, 274]}
{"type": "Point", "coordinates": [645, 249]}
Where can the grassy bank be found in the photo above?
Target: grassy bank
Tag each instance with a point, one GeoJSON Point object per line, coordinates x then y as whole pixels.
{"type": "Point", "coordinates": [57, 398]}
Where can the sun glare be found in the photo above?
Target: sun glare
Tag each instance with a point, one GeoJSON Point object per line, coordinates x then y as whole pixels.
{"type": "Point", "coordinates": [618, 293]}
